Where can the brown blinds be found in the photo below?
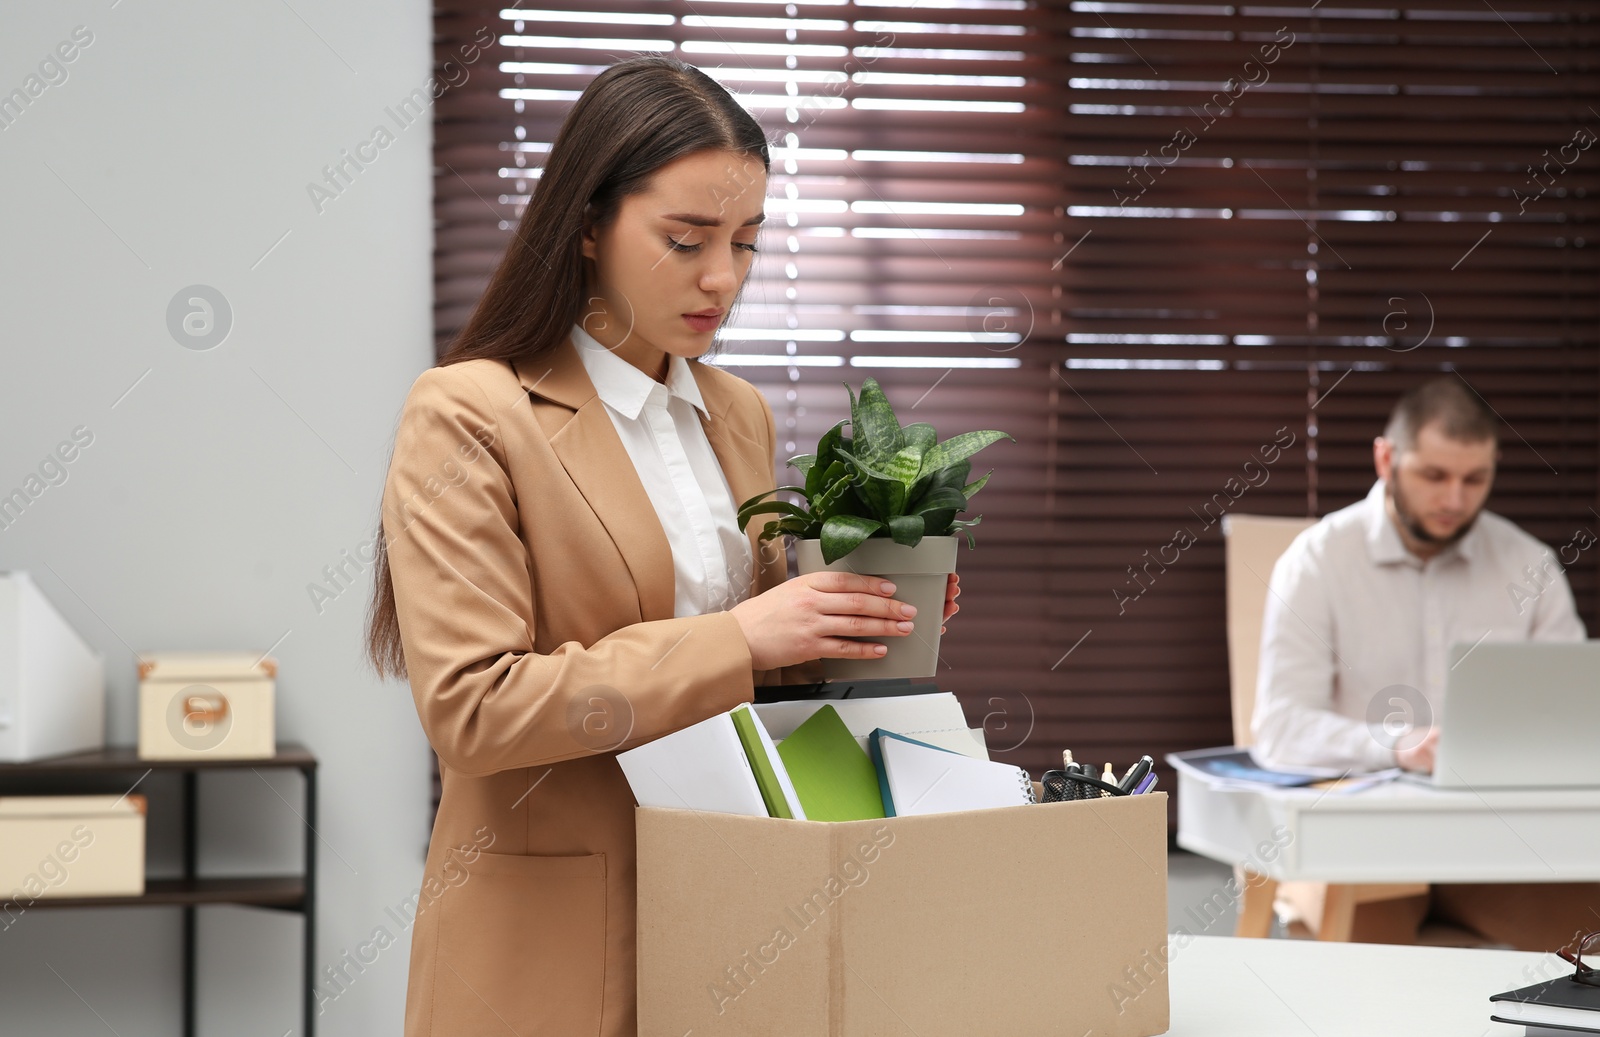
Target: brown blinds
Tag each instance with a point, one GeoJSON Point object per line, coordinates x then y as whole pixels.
{"type": "Point", "coordinates": [1287, 215]}
{"type": "Point", "coordinates": [1187, 254]}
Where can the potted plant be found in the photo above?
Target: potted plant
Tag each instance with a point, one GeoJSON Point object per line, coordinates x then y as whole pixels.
{"type": "Point", "coordinates": [882, 501]}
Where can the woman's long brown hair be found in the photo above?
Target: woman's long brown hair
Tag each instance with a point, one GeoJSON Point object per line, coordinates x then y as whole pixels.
{"type": "Point", "coordinates": [632, 119]}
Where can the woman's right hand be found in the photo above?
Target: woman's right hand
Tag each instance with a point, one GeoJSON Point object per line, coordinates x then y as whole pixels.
{"type": "Point", "coordinates": [810, 617]}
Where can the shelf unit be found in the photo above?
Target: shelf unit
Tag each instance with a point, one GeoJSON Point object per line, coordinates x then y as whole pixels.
{"type": "Point", "coordinates": [293, 893]}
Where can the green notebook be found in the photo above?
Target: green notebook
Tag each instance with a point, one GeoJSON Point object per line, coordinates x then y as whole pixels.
{"type": "Point", "coordinates": [744, 722]}
{"type": "Point", "coordinates": [832, 775]}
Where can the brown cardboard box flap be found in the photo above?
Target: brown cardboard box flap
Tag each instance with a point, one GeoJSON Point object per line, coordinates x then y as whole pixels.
{"type": "Point", "coordinates": [1023, 921]}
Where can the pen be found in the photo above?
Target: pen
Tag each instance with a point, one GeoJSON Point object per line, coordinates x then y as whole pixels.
{"type": "Point", "coordinates": [1109, 777]}
{"type": "Point", "coordinates": [1136, 773]}
{"type": "Point", "coordinates": [1069, 788]}
{"type": "Point", "coordinates": [1146, 785]}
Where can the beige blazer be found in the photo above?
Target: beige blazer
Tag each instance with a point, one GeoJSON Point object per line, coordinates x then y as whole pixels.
{"type": "Point", "coordinates": [534, 587]}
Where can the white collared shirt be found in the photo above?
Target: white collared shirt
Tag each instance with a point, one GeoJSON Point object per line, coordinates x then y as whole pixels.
{"type": "Point", "coordinates": [658, 424]}
{"type": "Point", "coordinates": [1357, 629]}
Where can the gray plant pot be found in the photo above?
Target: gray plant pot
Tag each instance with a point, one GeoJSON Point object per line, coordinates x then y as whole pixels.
{"type": "Point", "coordinates": [919, 575]}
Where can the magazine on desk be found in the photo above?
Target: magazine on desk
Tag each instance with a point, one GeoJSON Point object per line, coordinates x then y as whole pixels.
{"type": "Point", "coordinates": [1233, 767]}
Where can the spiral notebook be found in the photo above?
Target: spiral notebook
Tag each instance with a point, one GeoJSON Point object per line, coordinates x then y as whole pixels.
{"type": "Point", "coordinates": [918, 778]}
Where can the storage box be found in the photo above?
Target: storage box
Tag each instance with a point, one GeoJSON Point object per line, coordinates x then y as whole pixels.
{"type": "Point", "coordinates": [52, 684]}
{"type": "Point", "coordinates": [69, 846]}
{"type": "Point", "coordinates": [1026, 921]}
{"type": "Point", "coordinates": [217, 705]}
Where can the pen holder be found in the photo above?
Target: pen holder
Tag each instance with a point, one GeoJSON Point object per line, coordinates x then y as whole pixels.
{"type": "Point", "coordinates": [1060, 786]}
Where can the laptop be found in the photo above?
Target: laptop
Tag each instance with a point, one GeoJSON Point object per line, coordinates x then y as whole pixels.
{"type": "Point", "coordinates": [1519, 714]}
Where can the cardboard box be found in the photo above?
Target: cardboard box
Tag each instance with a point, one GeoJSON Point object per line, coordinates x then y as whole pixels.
{"type": "Point", "coordinates": [1027, 921]}
{"type": "Point", "coordinates": [70, 846]}
{"type": "Point", "coordinates": [216, 705]}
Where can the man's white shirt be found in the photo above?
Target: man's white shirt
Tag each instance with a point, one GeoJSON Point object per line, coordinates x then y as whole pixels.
{"type": "Point", "coordinates": [1353, 618]}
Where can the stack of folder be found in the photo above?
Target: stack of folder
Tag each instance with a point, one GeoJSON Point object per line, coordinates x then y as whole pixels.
{"type": "Point", "coordinates": [836, 761]}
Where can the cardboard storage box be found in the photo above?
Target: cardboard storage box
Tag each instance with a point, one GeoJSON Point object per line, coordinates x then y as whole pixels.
{"type": "Point", "coordinates": [1027, 921]}
{"type": "Point", "coordinates": [217, 705]}
{"type": "Point", "coordinates": [70, 846]}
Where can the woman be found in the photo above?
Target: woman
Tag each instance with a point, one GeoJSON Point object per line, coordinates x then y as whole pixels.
{"type": "Point", "coordinates": [562, 575]}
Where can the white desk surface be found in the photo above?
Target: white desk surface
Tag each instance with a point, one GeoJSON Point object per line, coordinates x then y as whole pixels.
{"type": "Point", "coordinates": [1396, 832]}
{"type": "Point", "coordinates": [1221, 986]}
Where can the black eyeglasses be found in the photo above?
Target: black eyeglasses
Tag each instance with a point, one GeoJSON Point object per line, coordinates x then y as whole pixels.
{"type": "Point", "coordinates": [1589, 945]}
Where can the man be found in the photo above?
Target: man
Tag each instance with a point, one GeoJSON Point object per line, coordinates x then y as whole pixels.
{"type": "Point", "coordinates": [1360, 615]}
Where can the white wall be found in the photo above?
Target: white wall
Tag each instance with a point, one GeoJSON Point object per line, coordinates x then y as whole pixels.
{"type": "Point", "coordinates": [177, 151]}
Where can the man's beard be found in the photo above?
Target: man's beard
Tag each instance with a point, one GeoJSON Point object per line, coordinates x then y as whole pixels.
{"type": "Point", "coordinates": [1413, 525]}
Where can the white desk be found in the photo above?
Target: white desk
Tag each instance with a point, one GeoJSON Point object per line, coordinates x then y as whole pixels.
{"type": "Point", "coordinates": [1227, 987]}
{"type": "Point", "coordinates": [1396, 832]}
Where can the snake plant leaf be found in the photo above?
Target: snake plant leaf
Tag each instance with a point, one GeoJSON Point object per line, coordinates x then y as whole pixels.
{"type": "Point", "coordinates": [766, 493]}
{"type": "Point", "coordinates": [954, 475]}
{"type": "Point", "coordinates": [842, 534]}
{"type": "Point", "coordinates": [873, 426]}
{"type": "Point", "coordinates": [749, 507]}
{"type": "Point", "coordinates": [938, 511]}
{"type": "Point", "coordinates": [835, 498]}
{"type": "Point", "coordinates": [802, 462]}
{"type": "Point", "coordinates": [770, 492]}
{"type": "Point", "coordinates": [797, 526]}
{"type": "Point", "coordinates": [865, 468]}
{"type": "Point", "coordinates": [974, 487]}
{"type": "Point", "coordinates": [886, 497]}
{"type": "Point", "coordinates": [905, 466]}
{"type": "Point", "coordinates": [822, 474]}
{"type": "Point", "coordinates": [831, 437]}
{"type": "Point", "coordinates": [958, 448]}
{"type": "Point", "coordinates": [836, 472]}
{"type": "Point", "coordinates": [852, 503]}
{"type": "Point", "coordinates": [963, 527]}
{"type": "Point", "coordinates": [883, 493]}
{"type": "Point", "coordinates": [906, 529]}
{"type": "Point", "coordinates": [940, 499]}
{"type": "Point", "coordinates": [951, 477]}
{"type": "Point", "coordinates": [778, 507]}
{"type": "Point", "coordinates": [920, 435]}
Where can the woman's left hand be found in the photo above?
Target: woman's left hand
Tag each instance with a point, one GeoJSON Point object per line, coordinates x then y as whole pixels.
{"type": "Point", "coordinates": [951, 589]}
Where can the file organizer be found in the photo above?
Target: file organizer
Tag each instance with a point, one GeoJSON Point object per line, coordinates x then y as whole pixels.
{"type": "Point", "coordinates": [52, 683]}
